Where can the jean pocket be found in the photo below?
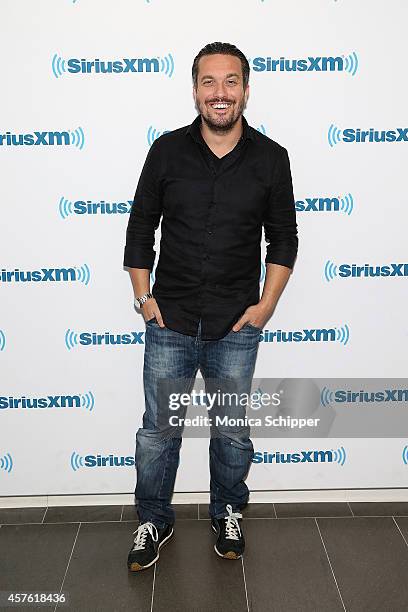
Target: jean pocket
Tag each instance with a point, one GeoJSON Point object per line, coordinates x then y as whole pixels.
{"type": "Point", "coordinates": [258, 329]}
{"type": "Point", "coordinates": [152, 321]}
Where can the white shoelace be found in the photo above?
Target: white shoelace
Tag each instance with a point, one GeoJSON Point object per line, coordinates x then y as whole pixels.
{"type": "Point", "coordinates": [232, 529]}
{"type": "Point", "coordinates": [141, 535]}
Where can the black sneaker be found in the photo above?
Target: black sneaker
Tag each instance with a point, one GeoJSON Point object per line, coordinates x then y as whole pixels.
{"type": "Point", "coordinates": [230, 539]}
{"type": "Point", "coordinates": [147, 543]}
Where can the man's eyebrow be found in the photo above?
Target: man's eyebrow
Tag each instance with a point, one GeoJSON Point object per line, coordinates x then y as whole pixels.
{"type": "Point", "coordinates": [210, 76]}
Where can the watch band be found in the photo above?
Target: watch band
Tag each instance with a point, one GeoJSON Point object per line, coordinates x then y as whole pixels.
{"type": "Point", "coordinates": [143, 298]}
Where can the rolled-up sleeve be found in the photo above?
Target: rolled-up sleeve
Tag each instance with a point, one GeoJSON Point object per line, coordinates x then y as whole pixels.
{"type": "Point", "coordinates": [145, 214]}
{"type": "Point", "coordinates": [280, 219]}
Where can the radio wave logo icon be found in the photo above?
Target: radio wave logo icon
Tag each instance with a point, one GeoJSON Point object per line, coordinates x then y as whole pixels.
{"type": "Point", "coordinates": [334, 135]}
{"type": "Point", "coordinates": [77, 138]}
{"type": "Point", "coordinates": [71, 339]}
{"type": "Point", "coordinates": [351, 63]}
{"type": "Point", "coordinates": [153, 273]}
{"type": "Point", "coordinates": [343, 334]}
{"type": "Point", "coordinates": [405, 455]}
{"type": "Point", "coordinates": [347, 204]}
{"type": "Point", "coordinates": [2, 340]}
{"type": "Point", "coordinates": [58, 66]}
{"type": "Point", "coordinates": [330, 270]}
{"type": "Point", "coordinates": [153, 134]}
{"type": "Point", "coordinates": [77, 461]}
{"type": "Point", "coordinates": [261, 129]}
{"type": "Point", "coordinates": [263, 272]}
{"type": "Point", "coordinates": [88, 401]}
{"type": "Point", "coordinates": [83, 274]}
{"type": "Point", "coordinates": [65, 208]}
{"type": "Point", "coordinates": [326, 397]}
{"type": "Point", "coordinates": [167, 64]}
{"type": "Point", "coordinates": [339, 455]}
{"type": "Point", "coordinates": [6, 463]}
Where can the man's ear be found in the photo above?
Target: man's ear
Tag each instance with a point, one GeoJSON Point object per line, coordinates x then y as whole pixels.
{"type": "Point", "coordinates": [246, 93]}
{"type": "Point", "coordinates": [194, 93]}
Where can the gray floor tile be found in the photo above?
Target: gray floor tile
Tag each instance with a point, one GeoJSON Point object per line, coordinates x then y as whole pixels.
{"type": "Point", "coordinates": [190, 577]}
{"type": "Point", "coordinates": [183, 511]}
{"type": "Point", "coordinates": [370, 561]}
{"type": "Point", "coordinates": [10, 516]}
{"type": "Point", "coordinates": [78, 514]}
{"type": "Point", "coordinates": [34, 557]}
{"type": "Point", "coordinates": [379, 508]}
{"type": "Point", "coordinates": [402, 523]}
{"type": "Point", "coordinates": [98, 579]}
{"type": "Point", "coordinates": [312, 509]}
{"type": "Point", "coordinates": [286, 568]}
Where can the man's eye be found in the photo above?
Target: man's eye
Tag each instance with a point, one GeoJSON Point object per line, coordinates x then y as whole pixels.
{"type": "Point", "coordinates": [232, 82]}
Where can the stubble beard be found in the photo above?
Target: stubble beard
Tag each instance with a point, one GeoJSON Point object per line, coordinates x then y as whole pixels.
{"type": "Point", "coordinates": [220, 128]}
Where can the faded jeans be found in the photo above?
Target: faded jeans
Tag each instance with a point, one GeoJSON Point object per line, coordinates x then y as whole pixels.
{"type": "Point", "coordinates": [175, 356]}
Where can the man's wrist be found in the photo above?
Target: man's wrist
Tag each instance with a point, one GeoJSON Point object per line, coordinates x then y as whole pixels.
{"type": "Point", "coordinates": [268, 303]}
{"type": "Point", "coordinates": [141, 299]}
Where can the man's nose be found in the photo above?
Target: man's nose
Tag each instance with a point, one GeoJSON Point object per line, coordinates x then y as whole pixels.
{"type": "Point", "coordinates": [220, 91]}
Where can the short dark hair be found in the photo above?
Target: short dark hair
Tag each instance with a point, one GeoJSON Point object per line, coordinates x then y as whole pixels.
{"type": "Point", "coordinates": [224, 49]}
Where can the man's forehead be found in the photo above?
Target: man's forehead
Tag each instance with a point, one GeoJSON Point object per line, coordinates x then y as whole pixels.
{"type": "Point", "coordinates": [218, 63]}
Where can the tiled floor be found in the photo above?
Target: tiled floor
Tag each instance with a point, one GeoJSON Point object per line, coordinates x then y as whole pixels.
{"type": "Point", "coordinates": [315, 557]}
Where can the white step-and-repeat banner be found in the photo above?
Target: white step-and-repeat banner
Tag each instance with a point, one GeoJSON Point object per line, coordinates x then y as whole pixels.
{"type": "Point", "coordinates": [86, 88]}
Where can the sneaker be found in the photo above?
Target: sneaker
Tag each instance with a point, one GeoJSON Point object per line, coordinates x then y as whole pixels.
{"type": "Point", "coordinates": [230, 539]}
{"type": "Point", "coordinates": [147, 543]}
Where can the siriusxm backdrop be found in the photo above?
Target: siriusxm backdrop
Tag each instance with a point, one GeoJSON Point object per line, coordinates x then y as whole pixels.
{"type": "Point", "coordinates": [87, 86]}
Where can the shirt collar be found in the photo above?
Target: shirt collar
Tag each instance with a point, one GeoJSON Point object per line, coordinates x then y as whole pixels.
{"type": "Point", "coordinates": [195, 132]}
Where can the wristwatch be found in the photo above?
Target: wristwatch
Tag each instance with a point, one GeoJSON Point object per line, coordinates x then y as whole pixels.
{"type": "Point", "coordinates": [142, 299]}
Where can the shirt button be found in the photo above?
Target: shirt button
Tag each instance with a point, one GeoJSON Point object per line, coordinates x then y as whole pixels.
{"type": "Point", "coordinates": [209, 231]}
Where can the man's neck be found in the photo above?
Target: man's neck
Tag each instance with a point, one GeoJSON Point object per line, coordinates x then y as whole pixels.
{"type": "Point", "coordinates": [222, 142]}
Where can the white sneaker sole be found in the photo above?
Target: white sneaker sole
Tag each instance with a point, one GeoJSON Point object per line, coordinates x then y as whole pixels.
{"type": "Point", "coordinates": [136, 567]}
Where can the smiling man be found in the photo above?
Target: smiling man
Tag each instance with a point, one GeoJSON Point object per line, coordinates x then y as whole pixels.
{"type": "Point", "coordinates": [215, 184]}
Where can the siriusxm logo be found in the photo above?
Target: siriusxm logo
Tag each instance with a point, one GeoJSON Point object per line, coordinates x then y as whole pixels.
{"type": "Point", "coordinates": [313, 456]}
{"type": "Point", "coordinates": [73, 339]}
{"type": "Point", "coordinates": [75, 138]}
{"type": "Point", "coordinates": [125, 65]}
{"type": "Point", "coordinates": [346, 396]}
{"type": "Point", "coordinates": [67, 208]}
{"type": "Point", "coordinates": [95, 461]}
{"type": "Point", "coordinates": [55, 275]}
{"type": "Point", "coordinates": [337, 204]}
{"type": "Point", "coordinates": [345, 270]}
{"type": "Point", "coordinates": [6, 463]}
{"type": "Point", "coordinates": [340, 63]}
{"type": "Point", "coordinates": [2, 340]}
{"type": "Point", "coordinates": [81, 400]}
{"type": "Point", "coordinates": [331, 334]}
{"type": "Point", "coordinates": [335, 135]}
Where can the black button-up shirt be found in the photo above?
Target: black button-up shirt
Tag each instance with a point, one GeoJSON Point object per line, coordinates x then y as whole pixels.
{"type": "Point", "coordinates": [212, 214]}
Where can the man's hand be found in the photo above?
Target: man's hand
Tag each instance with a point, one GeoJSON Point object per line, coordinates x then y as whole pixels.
{"type": "Point", "coordinates": [150, 309]}
{"type": "Point", "coordinates": [257, 315]}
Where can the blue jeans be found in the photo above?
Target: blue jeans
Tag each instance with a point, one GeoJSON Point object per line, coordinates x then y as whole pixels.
{"type": "Point", "coordinates": [172, 355]}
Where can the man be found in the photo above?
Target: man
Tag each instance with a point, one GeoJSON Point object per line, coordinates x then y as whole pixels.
{"type": "Point", "coordinates": [215, 184]}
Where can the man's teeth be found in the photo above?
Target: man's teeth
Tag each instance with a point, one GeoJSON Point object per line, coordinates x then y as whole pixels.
{"type": "Point", "coordinates": [220, 105]}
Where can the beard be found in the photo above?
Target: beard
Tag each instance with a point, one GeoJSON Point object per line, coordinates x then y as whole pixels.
{"type": "Point", "coordinates": [223, 124]}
